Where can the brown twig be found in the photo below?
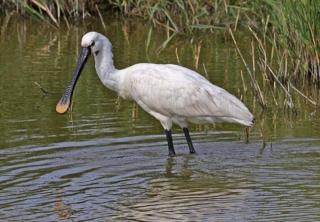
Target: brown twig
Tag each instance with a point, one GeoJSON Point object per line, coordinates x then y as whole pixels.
{"type": "Point", "coordinates": [41, 88]}
{"type": "Point", "coordinates": [253, 80]}
{"type": "Point", "coordinates": [100, 16]}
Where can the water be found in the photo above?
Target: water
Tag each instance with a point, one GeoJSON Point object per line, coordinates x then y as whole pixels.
{"type": "Point", "coordinates": [107, 160]}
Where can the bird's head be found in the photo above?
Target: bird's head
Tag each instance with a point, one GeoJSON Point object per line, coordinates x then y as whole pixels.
{"type": "Point", "coordinates": [91, 42]}
{"type": "Point", "coordinates": [95, 42]}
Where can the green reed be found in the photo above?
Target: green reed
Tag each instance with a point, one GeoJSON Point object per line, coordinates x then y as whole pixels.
{"type": "Point", "coordinates": [52, 11]}
{"type": "Point", "coordinates": [292, 28]}
{"type": "Point", "coordinates": [178, 15]}
{"type": "Point", "coordinates": [286, 35]}
{"type": "Point", "coordinates": [183, 16]}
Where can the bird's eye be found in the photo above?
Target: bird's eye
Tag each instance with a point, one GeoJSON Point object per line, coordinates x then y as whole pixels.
{"type": "Point", "coordinates": [92, 44]}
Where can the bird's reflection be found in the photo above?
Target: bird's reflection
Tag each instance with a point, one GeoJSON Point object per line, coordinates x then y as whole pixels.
{"type": "Point", "coordinates": [173, 163]}
{"type": "Point", "coordinates": [169, 165]}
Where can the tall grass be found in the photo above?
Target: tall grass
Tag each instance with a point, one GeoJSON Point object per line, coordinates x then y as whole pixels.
{"type": "Point", "coordinates": [52, 11]}
{"type": "Point", "coordinates": [179, 15]}
{"type": "Point", "coordinates": [183, 16]}
{"type": "Point", "coordinates": [292, 28]}
{"type": "Point", "coordinates": [286, 35]}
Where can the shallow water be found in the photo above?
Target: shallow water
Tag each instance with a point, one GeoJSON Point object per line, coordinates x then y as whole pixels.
{"type": "Point", "coordinates": [107, 160]}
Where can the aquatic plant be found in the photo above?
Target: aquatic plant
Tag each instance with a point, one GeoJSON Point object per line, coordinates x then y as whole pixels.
{"type": "Point", "coordinates": [292, 29]}
{"type": "Point", "coordinates": [183, 16]}
{"type": "Point", "coordinates": [53, 11]}
{"type": "Point", "coordinates": [178, 15]}
{"type": "Point", "coordinates": [285, 35]}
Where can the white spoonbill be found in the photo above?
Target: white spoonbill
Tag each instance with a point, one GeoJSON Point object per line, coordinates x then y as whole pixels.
{"type": "Point", "coordinates": [170, 93]}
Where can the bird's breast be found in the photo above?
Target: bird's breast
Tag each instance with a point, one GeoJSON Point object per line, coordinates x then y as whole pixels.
{"type": "Point", "coordinates": [125, 87]}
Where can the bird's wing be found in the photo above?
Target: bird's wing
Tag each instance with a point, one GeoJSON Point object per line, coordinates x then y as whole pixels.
{"type": "Point", "coordinates": [171, 90]}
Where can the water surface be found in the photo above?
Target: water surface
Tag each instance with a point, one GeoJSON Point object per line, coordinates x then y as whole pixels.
{"type": "Point", "coordinates": [107, 160]}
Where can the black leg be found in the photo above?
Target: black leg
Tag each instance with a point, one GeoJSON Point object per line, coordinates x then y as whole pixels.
{"type": "Point", "coordinates": [170, 143]}
{"type": "Point", "coordinates": [189, 141]}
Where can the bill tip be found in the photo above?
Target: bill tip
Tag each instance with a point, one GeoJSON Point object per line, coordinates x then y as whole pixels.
{"type": "Point", "coordinates": [62, 108]}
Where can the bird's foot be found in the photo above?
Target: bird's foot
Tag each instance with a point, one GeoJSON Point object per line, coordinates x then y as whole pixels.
{"type": "Point", "coordinates": [172, 153]}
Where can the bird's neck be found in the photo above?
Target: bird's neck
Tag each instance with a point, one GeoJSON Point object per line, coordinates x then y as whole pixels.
{"type": "Point", "coordinates": [106, 70]}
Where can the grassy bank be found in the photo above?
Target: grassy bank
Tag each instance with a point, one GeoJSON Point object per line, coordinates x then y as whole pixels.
{"type": "Point", "coordinates": [285, 43]}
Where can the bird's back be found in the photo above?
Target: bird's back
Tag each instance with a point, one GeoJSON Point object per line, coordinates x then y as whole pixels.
{"type": "Point", "coordinates": [175, 91]}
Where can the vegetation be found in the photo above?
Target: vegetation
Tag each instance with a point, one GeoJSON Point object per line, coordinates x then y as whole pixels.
{"type": "Point", "coordinates": [285, 34]}
{"type": "Point", "coordinates": [53, 11]}
{"type": "Point", "coordinates": [178, 15]}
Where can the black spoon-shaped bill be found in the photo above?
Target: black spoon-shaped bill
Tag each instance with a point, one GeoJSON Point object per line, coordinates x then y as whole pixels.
{"type": "Point", "coordinates": [65, 101]}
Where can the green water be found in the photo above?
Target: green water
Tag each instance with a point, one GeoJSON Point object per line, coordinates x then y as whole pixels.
{"type": "Point", "coordinates": [107, 160]}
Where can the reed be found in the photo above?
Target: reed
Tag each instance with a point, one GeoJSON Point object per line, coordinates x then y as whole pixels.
{"type": "Point", "coordinates": [286, 33]}
{"type": "Point", "coordinates": [183, 16]}
{"type": "Point", "coordinates": [178, 15]}
{"type": "Point", "coordinates": [292, 29]}
{"type": "Point", "coordinates": [51, 11]}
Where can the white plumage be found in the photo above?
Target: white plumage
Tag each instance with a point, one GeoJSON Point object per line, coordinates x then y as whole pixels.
{"type": "Point", "coordinates": [170, 93]}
